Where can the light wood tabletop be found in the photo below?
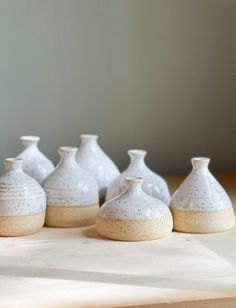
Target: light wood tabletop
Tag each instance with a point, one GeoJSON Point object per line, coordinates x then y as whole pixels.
{"type": "Point", "coordinates": [77, 268]}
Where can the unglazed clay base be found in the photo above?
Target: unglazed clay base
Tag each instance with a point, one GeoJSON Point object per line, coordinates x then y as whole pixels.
{"type": "Point", "coordinates": [21, 225]}
{"type": "Point", "coordinates": [134, 230]}
{"type": "Point", "coordinates": [203, 222]}
{"type": "Point", "coordinates": [71, 216]}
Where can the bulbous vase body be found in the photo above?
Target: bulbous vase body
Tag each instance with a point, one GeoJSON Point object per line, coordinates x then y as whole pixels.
{"type": "Point", "coordinates": [134, 215]}
{"type": "Point", "coordinates": [22, 201]}
{"type": "Point", "coordinates": [72, 194]}
{"type": "Point", "coordinates": [92, 158]}
{"type": "Point", "coordinates": [200, 204]}
{"type": "Point", "coordinates": [153, 184]}
{"type": "Point", "coordinates": [35, 163]}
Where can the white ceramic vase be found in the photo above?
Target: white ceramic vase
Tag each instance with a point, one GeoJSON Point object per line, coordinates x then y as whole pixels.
{"type": "Point", "coordinates": [200, 204]}
{"type": "Point", "coordinates": [72, 194]}
{"type": "Point", "coordinates": [134, 215]}
{"type": "Point", "coordinates": [35, 163]}
{"type": "Point", "coordinates": [92, 158]}
{"type": "Point", "coordinates": [22, 201]}
{"type": "Point", "coordinates": [153, 184]}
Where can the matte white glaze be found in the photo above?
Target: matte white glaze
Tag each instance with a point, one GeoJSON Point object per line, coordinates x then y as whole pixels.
{"type": "Point", "coordinates": [35, 163]}
{"type": "Point", "coordinates": [92, 158]}
{"type": "Point", "coordinates": [200, 191]}
{"type": "Point", "coordinates": [133, 204]}
{"type": "Point", "coordinates": [19, 193]}
{"type": "Point", "coordinates": [153, 184]}
{"type": "Point", "coordinates": [69, 184]}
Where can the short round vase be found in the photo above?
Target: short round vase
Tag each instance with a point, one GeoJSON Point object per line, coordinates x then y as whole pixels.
{"type": "Point", "coordinates": [96, 162]}
{"type": "Point", "coordinates": [200, 204]}
{"type": "Point", "coordinates": [153, 184]}
{"type": "Point", "coordinates": [22, 201]}
{"type": "Point", "coordinates": [35, 163]}
{"type": "Point", "coordinates": [72, 194]}
{"type": "Point", "coordinates": [134, 216]}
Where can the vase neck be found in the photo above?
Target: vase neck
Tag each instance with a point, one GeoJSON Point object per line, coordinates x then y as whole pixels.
{"type": "Point", "coordinates": [13, 164]}
{"type": "Point", "coordinates": [89, 141]}
{"type": "Point", "coordinates": [137, 158]}
{"type": "Point", "coordinates": [134, 185]}
{"type": "Point", "coordinates": [29, 141]}
{"type": "Point", "coordinates": [200, 163]}
{"type": "Point", "coordinates": [67, 155]}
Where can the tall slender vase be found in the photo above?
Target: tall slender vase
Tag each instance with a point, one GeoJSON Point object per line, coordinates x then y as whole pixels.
{"type": "Point", "coordinates": [35, 163]}
{"type": "Point", "coordinates": [153, 184]}
{"type": "Point", "coordinates": [95, 161]}
{"type": "Point", "coordinates": [72, 194]}
{"type": "Point", "coordinates": [200, 204]}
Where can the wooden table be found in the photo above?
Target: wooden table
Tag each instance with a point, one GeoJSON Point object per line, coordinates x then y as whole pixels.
{"type": "Point", "coordinates": [77, 268]}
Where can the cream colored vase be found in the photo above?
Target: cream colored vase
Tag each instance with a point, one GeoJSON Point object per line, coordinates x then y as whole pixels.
{"type": "Point", "coordinates": [72, 194]}
{"type": "Point", "coordinates": [92, 158]}
{"type": "Point", "coordinates": [35, 163]}
{"type": "Point", "coordinates": [153, 184]}
{"type": "Point", "coordinates": [200, 204]}
{"type": "Point", "coordinates": [134, 215]}
{"type": "Point", "coordinates": [22, 201]}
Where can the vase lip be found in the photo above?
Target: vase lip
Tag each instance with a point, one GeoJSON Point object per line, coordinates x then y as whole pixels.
{"type": "Point", "coordinates": [201, 159]}
{"type": "Point", "coordinates": [137, 152]}
{"type": "Point", "coordinates": [30, 138]}
{"type": "Point", "coordinates": [13, 163]}
{"type": "Point", "coordinates": [133, 180]}
{"type": "Point", "coordinates": [68, 149]}
{"type": "Point", "coordinates": [89, 137]}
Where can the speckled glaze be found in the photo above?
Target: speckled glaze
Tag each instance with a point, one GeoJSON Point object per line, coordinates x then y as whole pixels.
{"type": "Point", "coordinates": [22, 201]}
{"type": "Point", "coordinates": [134, 215]}
{"type": "Point", "coordinates": [200, 204]}
{"type": "Point", "coordinates": [72, 194]}
{"type": "Point", "coordinates": [92, 158]}
{"type": "Point", "coordinates": [35, 163]}
{"type": "Point", "coordinates": [153, 184]}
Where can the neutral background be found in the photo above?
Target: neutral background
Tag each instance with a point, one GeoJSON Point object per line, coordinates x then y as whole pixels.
{"type": "Point", "coordinates": [159, 75]}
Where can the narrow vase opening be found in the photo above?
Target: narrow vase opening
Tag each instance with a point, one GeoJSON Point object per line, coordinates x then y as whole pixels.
{"type": "Point", "coordinates": [67, 151]}
{"type": "Point", "coordinates": [137, 156]}
{"type": "Point", "coordinates": [200, 162]}
{"type": "Point", "coordinates": [133, 184]}
{"type": "Point", "coordinates": [13, 164]}
{"type": "Point", "coordinates": [29, 140]}
{"type": "Point", "coordinates": [88, 137]}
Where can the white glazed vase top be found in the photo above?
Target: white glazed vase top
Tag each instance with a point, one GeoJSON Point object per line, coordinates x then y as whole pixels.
{"type": "Point", "coordinates": [69, 184]}
{"type": "Point", "coordinates": [96, 162]}
{"type": "Point", "coordinates": [20, 194]}
{"type": "Point", "coordinates": [153, 184]}
{"type": "Point", "coordinates": [35, 163]}
{"type": "Point", "coordinates": [200, 191]}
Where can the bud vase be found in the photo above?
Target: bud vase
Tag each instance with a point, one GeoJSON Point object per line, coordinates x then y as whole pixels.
{"type": "Point", "coordinates": [22, 201]}
{"type": "Point", "coordinates": [72, 194]}
{"type": "Point", "coordinates": [134, 215]}
{"type": "Point", "coordinates": [35, 163]}
{"type": "Point", "coordinates": [153, 184]}
{"type": "Point", "coordinates": [92, 158]}
{"type": "Point", "coordinates": [200, 204]}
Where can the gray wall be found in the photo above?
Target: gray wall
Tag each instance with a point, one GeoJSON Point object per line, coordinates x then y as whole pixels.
{"type": "Point", "coordinates": [159, 75]}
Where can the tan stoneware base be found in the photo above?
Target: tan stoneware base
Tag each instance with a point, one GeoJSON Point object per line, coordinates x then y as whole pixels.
{"type": "Point", "coordinates": [203, 222]}
{"type": "Point", "coordinates": [71, 216]}
{"type": "Point", "coordinates": [134, 230]}
{"type": "Point", "coordinates": [21, 225]}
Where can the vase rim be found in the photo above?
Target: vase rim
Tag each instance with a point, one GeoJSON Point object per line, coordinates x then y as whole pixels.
{"type": "Point", "coordinates": [137, 151]}
{"type": "Point", "coordinates": [133, 179]}
{"type": "Point", "coordinates": [29, 138]}
{"type": "Point", "coordinates": [89, 136]}
{"type": "Point", "coordinates": [68, 149]}
{"type": "Point", "coordinates": [201, 159]}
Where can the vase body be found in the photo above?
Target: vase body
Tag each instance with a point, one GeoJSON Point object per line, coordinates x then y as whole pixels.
{"type": "Point", "coordinates": [93, 159]}
{"type": "Point", "coordinates": [35, 163]}
{"type": "Point", "coordinates": [72, 194]}
{"type": "Point", "coordinates": [153, 184]}
{"type": "Point", "coordinates": [200, 204]}
{"type": "Point", "coordinates": [22, 201]}
{"type": "Point", "coordinates": [134, 215]}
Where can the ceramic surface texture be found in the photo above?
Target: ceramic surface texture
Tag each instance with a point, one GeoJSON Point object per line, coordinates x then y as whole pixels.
{"type": "Point", "coordinates": [69, 184]}
{"type": "Point", "coordinates": [153, 184]}
{"type": "Point", "coordinates": [200, 204]}
{"type": "Point", "coordinates": [35, 163]}
{"type": "Point", "coordinates": [92, 158]}
{"type": "Point", "coordinates": [134, 215]}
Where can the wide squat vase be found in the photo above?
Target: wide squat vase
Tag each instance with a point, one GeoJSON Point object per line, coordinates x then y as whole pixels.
{"type": "Point", "coordinates": [92, 158]}
{"type": "Point", "coordinates": [35, 163]}
{"type": "Point", "coordinates": [153, 184]}
{"type": "Point", "coordinates": [134, 215]}
{"type": "Point", "coordinates": [72, 194]}
{"type": "Point", "coordinates": [200, 204]}
{"type": "Point", "coordinates": [22, 201]}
